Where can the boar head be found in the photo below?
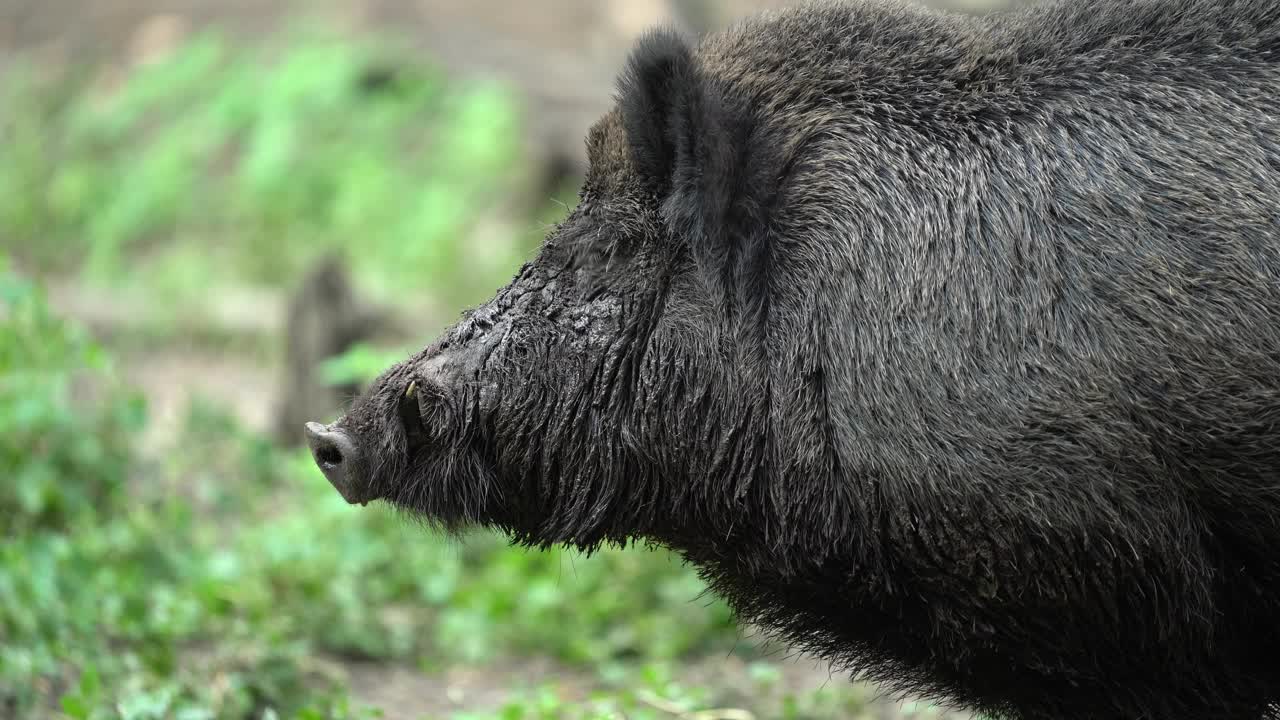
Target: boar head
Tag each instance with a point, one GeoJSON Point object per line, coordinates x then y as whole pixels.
{"type": "Point", "coordinates": [615, 388]}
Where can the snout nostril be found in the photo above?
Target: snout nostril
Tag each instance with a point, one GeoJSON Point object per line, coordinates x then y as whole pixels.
{"type": "Point", "coordinates": [329, 455]}
{"type": "Point", "coordinates": [334, 452]}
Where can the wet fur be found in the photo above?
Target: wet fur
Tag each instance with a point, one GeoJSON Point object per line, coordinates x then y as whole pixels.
{"type": "Point", "coordinates": [948, 348]}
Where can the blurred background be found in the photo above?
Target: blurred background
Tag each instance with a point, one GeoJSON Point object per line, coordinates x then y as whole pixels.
{"type": "Point", "coordinates": [218, 218]}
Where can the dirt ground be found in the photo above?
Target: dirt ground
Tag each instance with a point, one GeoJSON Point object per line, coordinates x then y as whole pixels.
{"type": "Point", "coordinates": [407, 694]}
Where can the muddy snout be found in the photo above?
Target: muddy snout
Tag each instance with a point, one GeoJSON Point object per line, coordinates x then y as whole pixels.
{"type": "Point", "coordinates": [335, 454]}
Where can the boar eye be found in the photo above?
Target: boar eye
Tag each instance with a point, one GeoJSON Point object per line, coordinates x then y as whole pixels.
{"type": "Point", "coordinates": [411, 414]}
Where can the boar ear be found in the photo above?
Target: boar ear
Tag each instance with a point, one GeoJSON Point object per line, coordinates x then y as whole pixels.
{"type": "Point", "coordinates": [699, 144]}
{"type": "Point", "coordinates": [653, 93]}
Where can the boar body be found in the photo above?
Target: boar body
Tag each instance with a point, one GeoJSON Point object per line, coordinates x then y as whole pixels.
{"type": "Point", "coordinates": [948, 348]}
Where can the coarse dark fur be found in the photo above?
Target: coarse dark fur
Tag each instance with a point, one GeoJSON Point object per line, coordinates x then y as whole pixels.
{"type": "Point", "coordinates": [946, 347]}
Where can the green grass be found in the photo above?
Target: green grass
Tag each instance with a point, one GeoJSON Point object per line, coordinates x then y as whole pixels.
{"type": "Point", "coordinates": [219, 164]}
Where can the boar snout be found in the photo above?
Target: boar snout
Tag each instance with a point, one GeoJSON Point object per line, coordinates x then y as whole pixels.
{"type": "Point", "coordinates": [335, 453]}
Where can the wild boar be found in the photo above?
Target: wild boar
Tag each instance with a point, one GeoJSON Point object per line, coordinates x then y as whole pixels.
{"type": "Point", "coordinates": [946, 347]}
